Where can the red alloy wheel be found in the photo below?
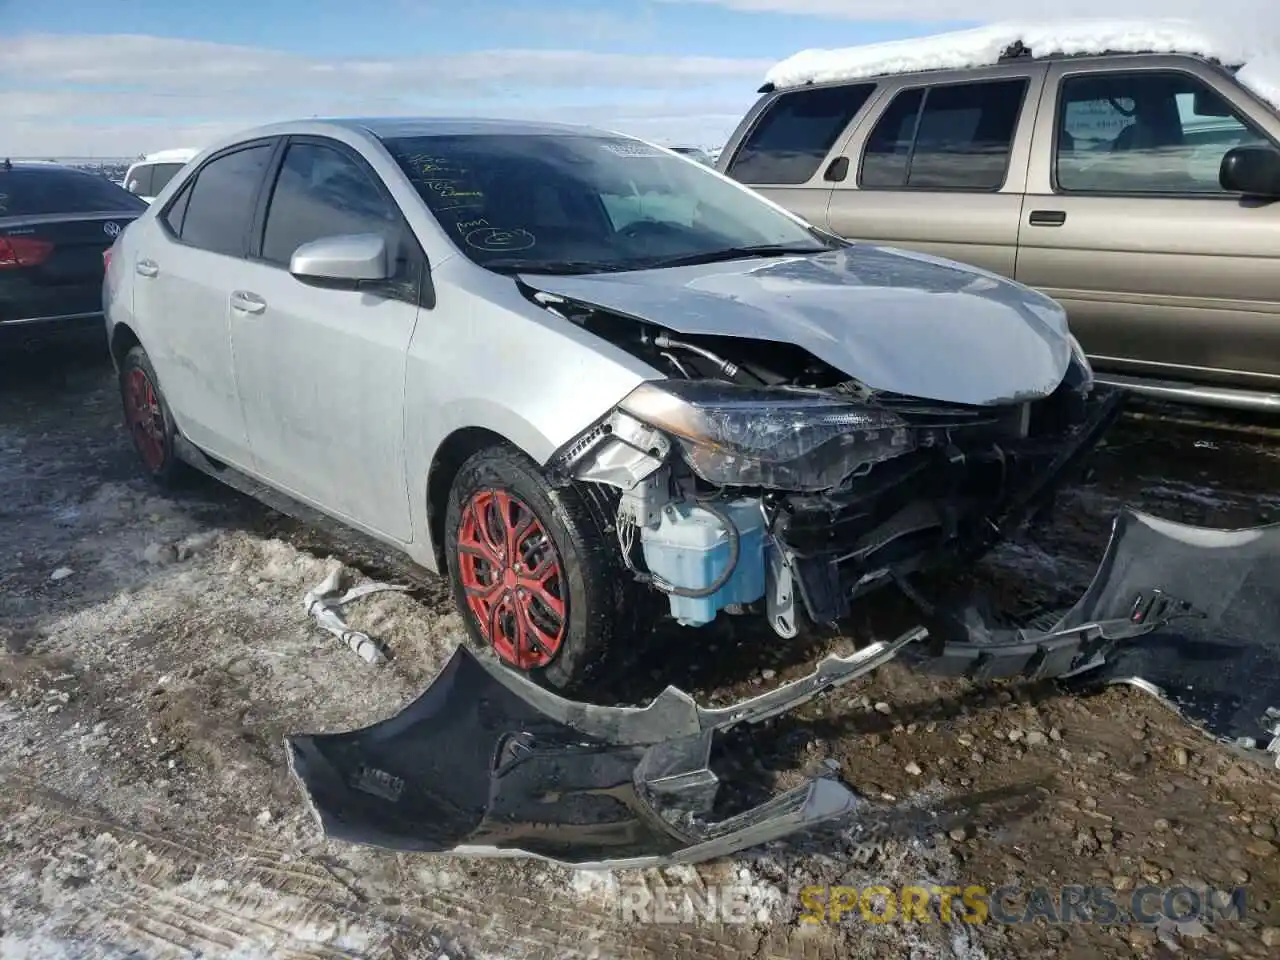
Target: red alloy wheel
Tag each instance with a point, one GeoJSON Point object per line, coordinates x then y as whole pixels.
{"type": "Point", "coordinates": [146, 421]}
{"type": "Point", "coordinates": [513, 580]}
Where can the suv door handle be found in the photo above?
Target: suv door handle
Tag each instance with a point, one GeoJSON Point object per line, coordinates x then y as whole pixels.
{"type": "Point", "coordinates": [146, 268]}
{"type": "Point", "coordinates": [1047, 218]}
{"type": "Point", "coordinates": [247, 302]}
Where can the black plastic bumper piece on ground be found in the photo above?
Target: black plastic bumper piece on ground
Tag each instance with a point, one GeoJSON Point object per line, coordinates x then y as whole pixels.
{"type": "Point", "coordinates": [1221, 668]}
{"type": "Point", "coordinates": [1189, 613]}
{"type": "Point", "coordinates": [486, 763]}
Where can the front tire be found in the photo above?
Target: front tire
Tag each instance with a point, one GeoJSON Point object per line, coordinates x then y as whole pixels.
{"type": "Point", "coordinates": [535, 574]}
{"type": "Point", "coordinates": [148, 419]}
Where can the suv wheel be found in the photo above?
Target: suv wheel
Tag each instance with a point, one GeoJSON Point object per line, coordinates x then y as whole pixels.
{"type": "Point", "coordinates": [534, 574]}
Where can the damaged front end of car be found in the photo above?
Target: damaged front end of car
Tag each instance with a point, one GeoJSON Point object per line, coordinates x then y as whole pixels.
{"type": "Point", "coordinates": [487, 763]}
{"type": "Point", "coordinates": [756, 477]}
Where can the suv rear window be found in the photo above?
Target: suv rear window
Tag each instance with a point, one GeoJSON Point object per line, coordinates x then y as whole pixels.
{"type": "Point", "coordinates": [795, 134]}
{"type": "Point", "coordinates": [26, 192]}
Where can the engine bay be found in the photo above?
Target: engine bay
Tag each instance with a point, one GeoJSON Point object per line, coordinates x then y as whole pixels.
{"type": "Point", "coordinates": [710, 511]}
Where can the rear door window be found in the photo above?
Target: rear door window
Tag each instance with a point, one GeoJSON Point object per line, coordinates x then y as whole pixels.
{"type": "Point", "coordinates": [795, 134]}
{"type": "Point", "coordinates": [219, 205]}
{"type": "Point", "coordinates": [951, 137]}
{"type": "Point", "coordinates": [32, 191]}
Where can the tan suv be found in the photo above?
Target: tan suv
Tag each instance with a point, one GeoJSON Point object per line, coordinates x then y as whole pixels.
{"type": "Point", "coordinates": [1136, 189]}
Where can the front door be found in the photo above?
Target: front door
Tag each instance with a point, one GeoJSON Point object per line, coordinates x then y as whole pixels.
{"type": "Point", "coordinates": [1163, 273]}
{"type": "Point", "coordinates": [321, 370]}
{"type": "Point", "coordinates": [941, 169]}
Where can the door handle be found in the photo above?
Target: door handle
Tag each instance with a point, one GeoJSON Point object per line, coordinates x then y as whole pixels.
{"type": "Point", "coordinates": [146, 268]}
{"type": "Point", "coordinates": [247, 302]}
{"type": "Point", "coordinates": [1047, 218]}
{"type": "Point", "coordinates": [837, 170]}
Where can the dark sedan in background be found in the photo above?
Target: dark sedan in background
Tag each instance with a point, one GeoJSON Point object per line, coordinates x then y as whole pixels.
{"type": "Point", "coordinates": [56, 226]}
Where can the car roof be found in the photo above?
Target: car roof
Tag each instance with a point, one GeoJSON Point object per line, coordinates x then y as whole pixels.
{"type": "Point", "coordinates": [175, 155]}
{"type": "Point", "coordinates": [999, 42]}
{"type": "Point", "coordinates": [381, 128]}
{"type": "Point", "coordinates": [48, 166]}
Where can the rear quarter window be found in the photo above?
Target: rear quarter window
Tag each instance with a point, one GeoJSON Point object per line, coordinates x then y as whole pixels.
{"type": "Point", "coordinates": [795, 133]}
{"type": "Point", "coordinates": [31, 192]}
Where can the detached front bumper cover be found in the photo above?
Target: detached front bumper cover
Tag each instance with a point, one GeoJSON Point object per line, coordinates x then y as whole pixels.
{"type": "Point", "coordinates": [1190, 614]}
{"type": "Point", "coordinates": [486, 763]}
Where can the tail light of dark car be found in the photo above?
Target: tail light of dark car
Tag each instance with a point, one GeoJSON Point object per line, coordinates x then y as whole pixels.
{"type": "Point", "coordinates": [18, 252]}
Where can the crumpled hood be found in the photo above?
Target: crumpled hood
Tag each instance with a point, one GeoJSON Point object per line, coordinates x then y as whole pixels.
{"type": "Point", "coordinates": [896, 320]}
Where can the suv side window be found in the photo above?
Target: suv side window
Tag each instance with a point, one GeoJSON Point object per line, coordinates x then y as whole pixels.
{"type": "Point", "coordinates": [219, 204]}
{"type": "Point", "coordinates": [1144, 132]}
{"type": "Point", "coordinates": [140, 182]}
{"type": "Point", "coordinates": [952, 137]}
{"type": "Point", "coordinates": [795, 133]}
{"type": "Point", "coordinates": [321, 192]}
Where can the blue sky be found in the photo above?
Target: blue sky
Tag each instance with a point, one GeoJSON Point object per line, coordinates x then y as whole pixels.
{"type": "Point", "coordinates": [119, 77]}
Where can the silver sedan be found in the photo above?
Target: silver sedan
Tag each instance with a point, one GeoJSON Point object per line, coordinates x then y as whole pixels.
{"type": "Point", "coordinates": [589, 379]}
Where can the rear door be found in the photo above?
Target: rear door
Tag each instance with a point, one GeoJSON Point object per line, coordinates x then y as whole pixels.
{"type": "Point", "coordinates": [940, 166]}
{"type": "Point", "coordinates": [783, 152]}
{"type": "Point", "coordinates": [321, 370]}
{"type": "Point", "coordinates": [187, 263]}
{"type": "Point", "coordinates": [1163, 273]}
{"type": "Point", "coordinates": [54, 226]}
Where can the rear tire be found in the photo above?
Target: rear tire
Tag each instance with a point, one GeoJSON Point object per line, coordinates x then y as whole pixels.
{"type": "Point", "coordinates": [560, 622]}
{"type": "Point", "coordinates": [148, 420]}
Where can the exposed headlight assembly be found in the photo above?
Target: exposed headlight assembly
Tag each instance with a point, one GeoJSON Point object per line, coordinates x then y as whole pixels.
{"type": "Point", "coordinates": [777, 438]}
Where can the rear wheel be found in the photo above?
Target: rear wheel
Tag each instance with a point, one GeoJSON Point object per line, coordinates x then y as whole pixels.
{"type": "Point", "coordinates": [147, 418]}
{"type": "Point", "coordinates": [534, 573]}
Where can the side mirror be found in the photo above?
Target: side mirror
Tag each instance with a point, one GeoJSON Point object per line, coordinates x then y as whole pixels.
{"type": "Point", "coordinates": [1253, 171]}
{"type": "Point", "coordinates": [349, 259]}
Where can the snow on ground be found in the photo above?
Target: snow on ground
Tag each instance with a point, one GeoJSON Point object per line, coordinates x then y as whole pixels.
{"type": "Point", "coordinates": [146, 808]}
{"type": "Point", "coordinates": [983, 46]}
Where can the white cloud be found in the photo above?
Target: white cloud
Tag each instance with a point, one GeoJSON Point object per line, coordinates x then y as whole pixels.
{"type": "Point", "coordinates": [113, 95]}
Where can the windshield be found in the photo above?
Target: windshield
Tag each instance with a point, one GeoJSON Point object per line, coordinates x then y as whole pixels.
{"type": "Point", "coordinates": [583, 203]}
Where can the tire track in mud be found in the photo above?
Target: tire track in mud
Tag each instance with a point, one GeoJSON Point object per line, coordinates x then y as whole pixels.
{"type": "Point", "coordinates": [183, 895]}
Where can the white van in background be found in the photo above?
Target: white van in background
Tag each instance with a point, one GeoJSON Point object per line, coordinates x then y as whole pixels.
{"type": "Point", "coordinates": [148, 176]}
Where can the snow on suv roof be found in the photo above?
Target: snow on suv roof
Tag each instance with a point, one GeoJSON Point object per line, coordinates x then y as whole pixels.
{"type": "Point", "coordinates": [986, 46]}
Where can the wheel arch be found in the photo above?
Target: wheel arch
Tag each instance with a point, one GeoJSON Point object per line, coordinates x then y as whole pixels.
{"type": "Point", "coordinates": [449, 457]}
{"type": "Point", "coordinates": [123, 339]}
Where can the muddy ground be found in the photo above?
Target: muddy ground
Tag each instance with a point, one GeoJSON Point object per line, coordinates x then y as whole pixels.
{"type": "Point", "coordinates": [155, 652]}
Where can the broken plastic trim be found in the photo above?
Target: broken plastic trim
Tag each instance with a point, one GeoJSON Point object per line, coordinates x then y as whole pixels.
{"type": "Point", "coordinates": [1189, 614]}
{"type": "Point", "coordinates": [486, 763]}
{"type": "Point", "coordinates": [1219, 669]}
